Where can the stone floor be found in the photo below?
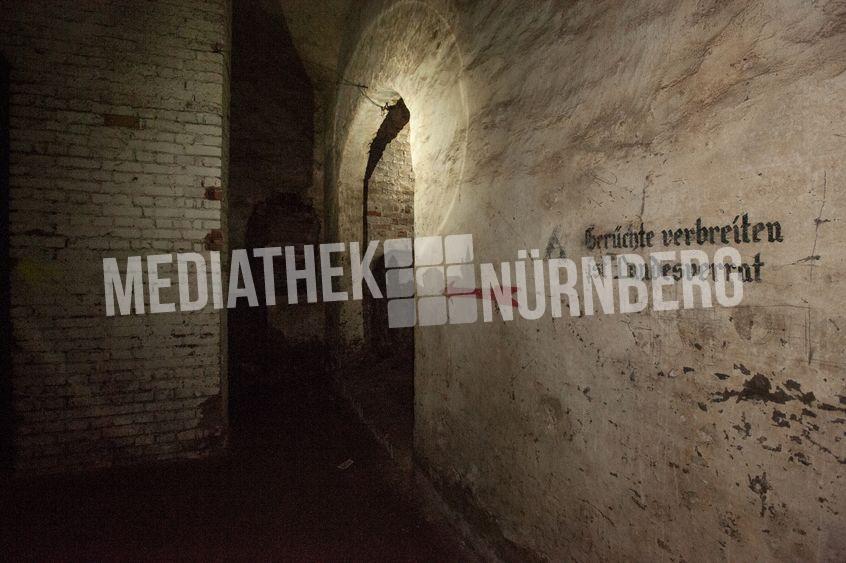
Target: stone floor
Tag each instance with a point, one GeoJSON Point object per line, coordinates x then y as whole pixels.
{"type": "Point", "coordinates": [278, 493]}
{"type": "Point", "coordinates": [382, 392]}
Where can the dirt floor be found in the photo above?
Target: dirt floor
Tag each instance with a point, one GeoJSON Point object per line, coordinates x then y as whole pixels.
{"type": "Point", "coordinates": [277, 494]}
{"type": "Point", "coordinates": [382, 392]}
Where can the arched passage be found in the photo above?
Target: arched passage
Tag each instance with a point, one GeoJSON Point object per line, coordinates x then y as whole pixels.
{"type": "Point", "coordinates": [377, 204]}
{"type": "Point", "coordinates": [388, 213]}
{"type": "Point", "coordinates": [402, 67]}
{"type": "Point", "coordinates": [382, 382]}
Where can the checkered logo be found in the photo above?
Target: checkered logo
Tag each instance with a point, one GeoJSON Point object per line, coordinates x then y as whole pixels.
{"type": "Point", "coordinates": [430, 281]}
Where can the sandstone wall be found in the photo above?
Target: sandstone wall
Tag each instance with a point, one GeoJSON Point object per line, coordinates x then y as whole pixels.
{"type": "Point", "coordinates": [707, 433]}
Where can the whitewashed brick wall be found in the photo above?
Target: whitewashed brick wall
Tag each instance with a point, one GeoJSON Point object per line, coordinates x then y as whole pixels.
{"type": "Point", "coordinates": [117, 147]}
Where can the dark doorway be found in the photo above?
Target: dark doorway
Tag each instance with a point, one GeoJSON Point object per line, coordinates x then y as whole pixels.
{"type": "Point", "coordinates": [385, 384]}
{"type": "Point", "coordinates": [270, 176]}
{"type": "Point", "coordinates": [388, 214]}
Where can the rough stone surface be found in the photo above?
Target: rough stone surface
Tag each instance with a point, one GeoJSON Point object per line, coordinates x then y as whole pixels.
{"type": "Point", "coordinates": [713, 433]}
{"type": "Point", "coordinates": [117, 132]}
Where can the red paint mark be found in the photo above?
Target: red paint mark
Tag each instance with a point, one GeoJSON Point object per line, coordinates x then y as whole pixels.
{"type": "Point", "coordinates": [214, 240]}
{"type": "Point", "coordinates": [477, 292]}
{"type": "Point", "coordinates": [214, 194]}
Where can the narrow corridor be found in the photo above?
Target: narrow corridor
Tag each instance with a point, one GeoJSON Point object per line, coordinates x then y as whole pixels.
{"type": "Point", "coordinates": [429, 280]}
